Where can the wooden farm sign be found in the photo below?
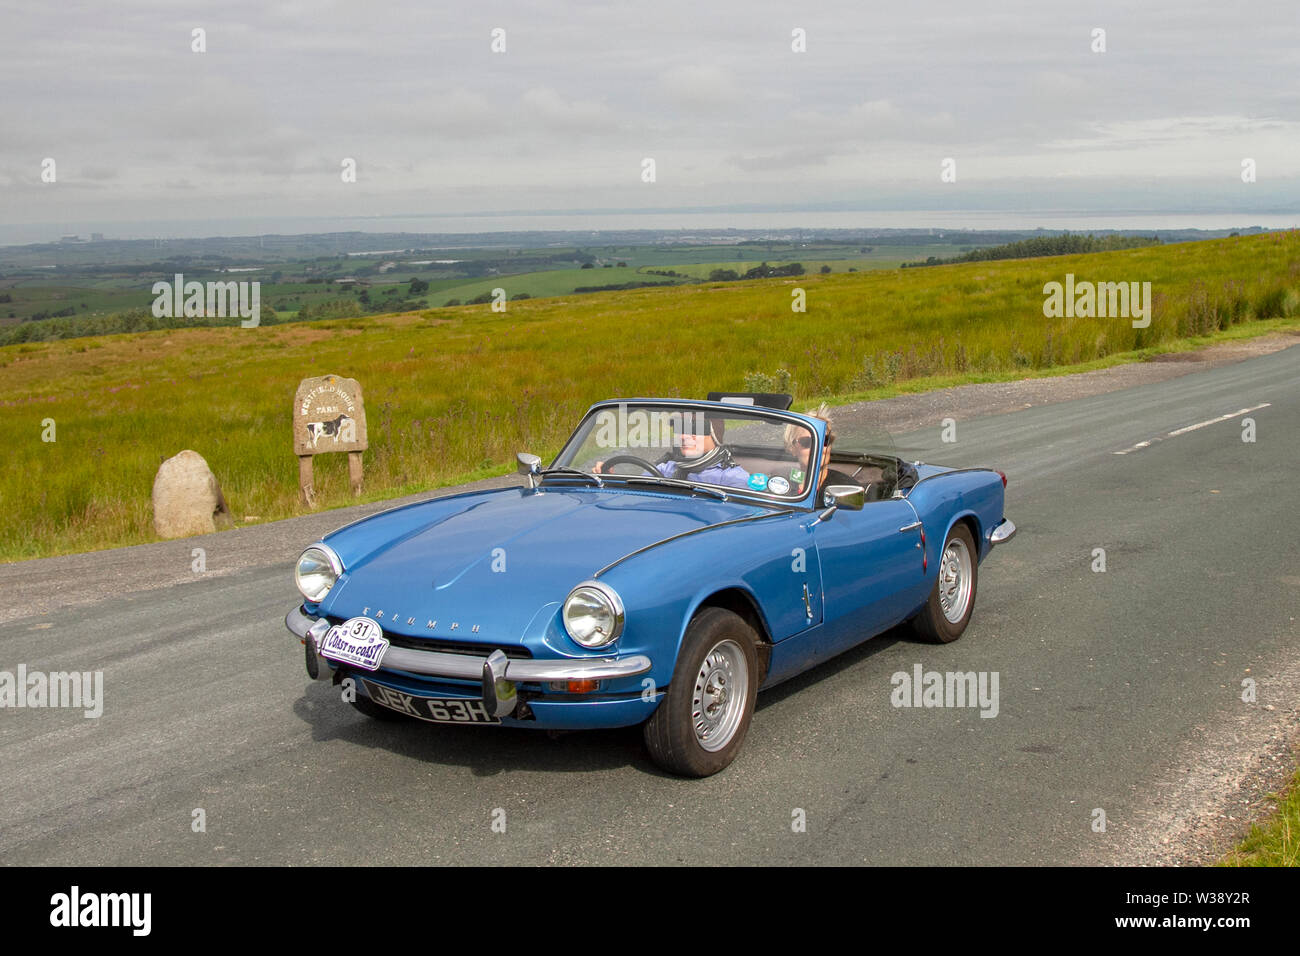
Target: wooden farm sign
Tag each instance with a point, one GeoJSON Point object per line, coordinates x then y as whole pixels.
{"type": "Point", "coordinates": [328, 415]}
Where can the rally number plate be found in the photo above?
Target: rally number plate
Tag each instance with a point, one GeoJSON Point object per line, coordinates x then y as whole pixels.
{"type": "Point", "coordinates": [358, 641]}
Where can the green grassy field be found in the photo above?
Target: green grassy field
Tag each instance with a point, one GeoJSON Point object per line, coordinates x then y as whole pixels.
{"type": "Point", "coordinates": [551, 282]}
{"type": "Point", "coordinates": [33, 292]}
{"type": "Point", "coordinates": [883, 257]}
{"type": "Point", "coordinates": [20, 299]}
{"type": "Point", "coordinates": [454, 392]}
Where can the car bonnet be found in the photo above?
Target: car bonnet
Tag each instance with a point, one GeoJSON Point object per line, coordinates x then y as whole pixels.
{"type": "Point", "coordinates": [495, 560]}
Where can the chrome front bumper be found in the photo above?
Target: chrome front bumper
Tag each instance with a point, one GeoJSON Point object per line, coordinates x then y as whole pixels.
{"type": "Point", "coordinates": [497, 672]}
{"type": "Point", "coordinates": [1003, 533]}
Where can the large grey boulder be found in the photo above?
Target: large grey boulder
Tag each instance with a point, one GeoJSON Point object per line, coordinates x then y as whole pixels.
{"type": "Point", "coordinates": [186, 497]}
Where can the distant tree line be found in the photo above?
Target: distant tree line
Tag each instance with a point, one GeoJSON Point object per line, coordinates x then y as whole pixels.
{"type": "Point", "coordinates": [133, 320]}
{"type": "Point", "coordinates": [1063, 245]}
{"type": "Point", "coordinates": [620, 286]}
{"type": "Point", "coordinates": [761, 271]}
{"type": "Point", "coordinates": [58, 314]}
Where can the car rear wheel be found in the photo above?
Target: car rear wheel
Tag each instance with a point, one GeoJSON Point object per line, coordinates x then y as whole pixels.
{"type": "Point", "coordinates": [948, 611]}
{"type": "Point", "coordinates": [701, 723]}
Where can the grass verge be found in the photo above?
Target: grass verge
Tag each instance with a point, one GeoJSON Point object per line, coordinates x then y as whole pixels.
{"type": "Point", "coordinates": [1276, 840]}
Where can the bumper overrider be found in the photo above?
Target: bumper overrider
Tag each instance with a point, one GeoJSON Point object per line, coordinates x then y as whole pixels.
{"type": "Point", "coordinates": [497, 673]}
{"type": "Point", "coordinates": [1003, 533]}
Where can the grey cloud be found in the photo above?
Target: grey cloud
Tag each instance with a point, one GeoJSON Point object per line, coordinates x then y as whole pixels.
{"type": "Point", "coordinates": [412, 91]}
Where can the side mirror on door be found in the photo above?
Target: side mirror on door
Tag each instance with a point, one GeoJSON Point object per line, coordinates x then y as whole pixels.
{"type": "Point", "coordinates": [529, 466]}
{"type": "Point", "coordinates": [848, 497]}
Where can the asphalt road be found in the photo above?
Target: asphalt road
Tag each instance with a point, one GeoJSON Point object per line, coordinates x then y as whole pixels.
{"type": "Point", "coordinates": [1113, 688]}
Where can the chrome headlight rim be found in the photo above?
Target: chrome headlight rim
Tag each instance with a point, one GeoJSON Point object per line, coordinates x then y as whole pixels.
{"type": "Point", "coordinates": [610, 598]}
{"type": "Point", "coordinates": [335, 564]}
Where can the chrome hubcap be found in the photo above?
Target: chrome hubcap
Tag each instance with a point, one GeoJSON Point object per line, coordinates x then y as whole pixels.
{"type": "Point", "coordinates": [955, 576]}
{"type": "Point", "coordinates": [718, 699]}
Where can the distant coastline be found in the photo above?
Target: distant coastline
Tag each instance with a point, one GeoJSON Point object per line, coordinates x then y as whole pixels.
{"type": "Point", "coordinates": [690, 222]}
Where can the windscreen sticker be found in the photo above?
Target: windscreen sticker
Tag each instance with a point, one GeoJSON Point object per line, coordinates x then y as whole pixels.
{"type": "Point", "coordinates": [758, 481]}
{"type": "Point", "coordinates": [778, 485]}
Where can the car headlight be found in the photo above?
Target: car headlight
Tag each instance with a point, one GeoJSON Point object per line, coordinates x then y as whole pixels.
{"type": "Point", "coordinates": [593, 614]}
{"type": "Point", "coordinates": [317, 570]}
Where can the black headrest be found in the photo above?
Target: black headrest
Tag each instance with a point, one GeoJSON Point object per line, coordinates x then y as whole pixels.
{"type": "Point", "coordinates": [777, 400]}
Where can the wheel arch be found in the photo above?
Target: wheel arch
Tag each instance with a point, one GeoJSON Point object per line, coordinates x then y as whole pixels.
{"type": "Point", "coordinates": [972, 522]}
{"type": "Point", "coordinates": [742, 603]}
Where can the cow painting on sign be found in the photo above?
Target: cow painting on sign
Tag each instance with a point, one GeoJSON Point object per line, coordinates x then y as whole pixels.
{"type": "Point", "coordinates": [342, 430]}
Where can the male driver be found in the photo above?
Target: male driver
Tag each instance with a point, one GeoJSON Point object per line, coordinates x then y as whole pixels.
{"type": "Point", "coordinates": [700, 455]}
{"type": "Point", "coordinates": [703, 456]}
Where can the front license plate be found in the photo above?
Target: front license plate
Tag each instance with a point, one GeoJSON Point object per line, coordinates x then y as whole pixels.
{"type": "Point", "coordinates": [358, 641]}
{"type": "Point", "coordinates": [438, 710]}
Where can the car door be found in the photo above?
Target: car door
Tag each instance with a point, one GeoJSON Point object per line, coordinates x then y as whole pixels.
{"type": "Point", "coordinates": [872, 569]}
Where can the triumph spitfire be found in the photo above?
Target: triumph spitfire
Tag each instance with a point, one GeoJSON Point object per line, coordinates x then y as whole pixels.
{"type": "Point", "coordinates": [676, 557]}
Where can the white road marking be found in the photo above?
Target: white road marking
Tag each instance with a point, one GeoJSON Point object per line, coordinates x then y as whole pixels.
{"type": "Point", "coordinates": [1191, 428]}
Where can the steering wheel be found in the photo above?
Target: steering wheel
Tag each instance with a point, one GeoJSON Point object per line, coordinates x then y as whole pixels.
{"type": "Point", "coordinates": [629, 460]}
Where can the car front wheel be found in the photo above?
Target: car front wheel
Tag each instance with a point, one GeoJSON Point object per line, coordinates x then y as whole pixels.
{"type": "Point", "coordinates": [701, 723]}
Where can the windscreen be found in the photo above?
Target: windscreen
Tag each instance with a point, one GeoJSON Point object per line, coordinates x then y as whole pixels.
{"type": "Point", "coordinates": [743, 448]}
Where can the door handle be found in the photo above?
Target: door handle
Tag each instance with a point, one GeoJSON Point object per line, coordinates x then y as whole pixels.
{"type": "Point", "coordinates": [910, 527]}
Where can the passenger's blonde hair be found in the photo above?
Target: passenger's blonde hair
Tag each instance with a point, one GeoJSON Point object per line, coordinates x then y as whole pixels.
{"type": "Point", "coordinates": [823, 412]}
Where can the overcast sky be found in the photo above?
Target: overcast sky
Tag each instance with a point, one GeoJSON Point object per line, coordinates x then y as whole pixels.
{"type": "Point", "coordinates": [141, 128]}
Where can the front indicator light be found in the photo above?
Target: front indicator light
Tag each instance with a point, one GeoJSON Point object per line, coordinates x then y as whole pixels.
{"type": "Point", "coordinates": [575, 686]}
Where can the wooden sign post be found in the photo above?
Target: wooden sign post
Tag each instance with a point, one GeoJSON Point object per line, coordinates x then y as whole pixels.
{"type": "Point", "coordinates": [328, 415]}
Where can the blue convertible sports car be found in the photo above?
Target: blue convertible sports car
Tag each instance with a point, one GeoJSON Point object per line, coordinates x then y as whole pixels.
{"type": "Point", "coordinates": [676, 557]}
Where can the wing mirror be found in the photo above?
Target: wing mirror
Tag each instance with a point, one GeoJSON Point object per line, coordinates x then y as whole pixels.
{"type": "Point", "coordinates": [848, 497]}
{"type": "Point", "coordinates": [529, 466]}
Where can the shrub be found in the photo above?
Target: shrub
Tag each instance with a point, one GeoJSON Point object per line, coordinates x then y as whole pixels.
{"type": "Point", "coordinates": [1278, 303]}
{"type": "Point", "coordinates": [780, 382]}
{"type": "Point", "coordinates": [878, 371]}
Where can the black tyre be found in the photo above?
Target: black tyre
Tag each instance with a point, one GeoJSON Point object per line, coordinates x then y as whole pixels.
{"type": "Point", "coordinates": [948, 611]}
{"type": "Point", "coordinates": [701, 723]}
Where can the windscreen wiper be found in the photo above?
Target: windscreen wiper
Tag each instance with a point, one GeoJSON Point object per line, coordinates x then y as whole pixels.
{"type": "Point", "coordinates": [678, 483]}
{"type": "Point", "coordinates": [572, 471]}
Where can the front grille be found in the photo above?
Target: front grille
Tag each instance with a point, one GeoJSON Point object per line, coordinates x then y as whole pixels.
{"type": "Point", "coordinates": [455, 647]}
{"type": "Point", "coordinates": [444, 646]}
